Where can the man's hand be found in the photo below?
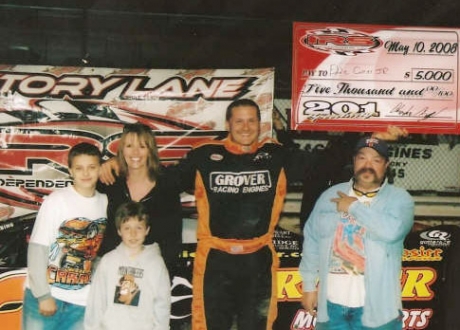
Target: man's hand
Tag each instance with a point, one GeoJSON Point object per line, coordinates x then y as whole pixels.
{"type": "Point", "coordinates": [106, 176]}
{"type": "Point", "coordinates": [343, 201]}
{"type": "Point", "coordinates": [310, 302]}
{"type": "Point", "coordinates": [47, 307]}
{"type": "Point", "coordinates": [393, 133]}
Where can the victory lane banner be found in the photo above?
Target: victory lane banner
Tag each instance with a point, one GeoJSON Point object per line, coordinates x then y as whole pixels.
{"type": "Point", "coordinates": [45, 110]}
{"type": "Point", "coordinates": [350, 77]}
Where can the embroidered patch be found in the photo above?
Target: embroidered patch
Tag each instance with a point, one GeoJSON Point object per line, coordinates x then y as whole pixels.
{"type": "Point", "coordinates": [216, 157]}
{"type": "Point", "coordinates": [262, 156]}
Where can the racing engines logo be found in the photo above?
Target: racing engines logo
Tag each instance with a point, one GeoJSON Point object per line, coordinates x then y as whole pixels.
{"type": "Point", "coordinates": [340, 41]}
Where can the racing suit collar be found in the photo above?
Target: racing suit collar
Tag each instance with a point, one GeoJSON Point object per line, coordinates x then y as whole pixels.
{"type": "Point", "coordinates": [236, 148]}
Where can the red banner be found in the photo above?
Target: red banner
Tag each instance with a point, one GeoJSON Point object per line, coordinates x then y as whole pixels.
{"type": "Point", "coordinates": [45, 110]}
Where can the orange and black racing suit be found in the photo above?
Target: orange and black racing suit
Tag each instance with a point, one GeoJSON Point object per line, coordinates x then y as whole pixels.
{"type": "Point", "coordinates": [239, 197]}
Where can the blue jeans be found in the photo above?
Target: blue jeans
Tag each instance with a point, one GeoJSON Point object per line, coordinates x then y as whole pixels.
{"type": "Point", "coordinates": [348, 318]}
{"type": "Point", "coordinates": [68, 316]}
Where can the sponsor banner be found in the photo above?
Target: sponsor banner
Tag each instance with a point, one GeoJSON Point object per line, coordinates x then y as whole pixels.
{"type": "Point", "coordinates": [414, 167]}
{"type": "Point", "coordinates": [349, 77]}
{"type": "Point", "coordinates": [45, 110]}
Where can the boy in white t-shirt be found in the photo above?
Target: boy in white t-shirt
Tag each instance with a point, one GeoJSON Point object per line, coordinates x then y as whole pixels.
{"type": "Point", "coordinates": [66, 236]}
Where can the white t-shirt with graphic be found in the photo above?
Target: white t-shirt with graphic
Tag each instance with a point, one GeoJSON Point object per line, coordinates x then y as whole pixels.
{"type": "Point", "coordinates": [72, 226]}
{"type": "Point", "coordinates": [345, 283]}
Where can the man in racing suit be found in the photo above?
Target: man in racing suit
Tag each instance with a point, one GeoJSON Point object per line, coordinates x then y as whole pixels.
{"type": "Point", "coordinates": [240, 185]}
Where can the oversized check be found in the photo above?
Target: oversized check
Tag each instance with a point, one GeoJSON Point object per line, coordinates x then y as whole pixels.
{"type": "Point", "coordinates": [351, 77]}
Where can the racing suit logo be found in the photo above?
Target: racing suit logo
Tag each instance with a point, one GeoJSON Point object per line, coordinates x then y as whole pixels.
{"type": "Point", "coordinates": [240, 182]}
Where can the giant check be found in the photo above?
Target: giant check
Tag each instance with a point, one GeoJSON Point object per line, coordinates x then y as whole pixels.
{"type": "Point", "coordinates": [352, 77]}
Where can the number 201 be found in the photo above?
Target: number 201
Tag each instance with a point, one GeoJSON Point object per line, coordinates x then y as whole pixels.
{"type": "Point", "coordinates": [339, 108]}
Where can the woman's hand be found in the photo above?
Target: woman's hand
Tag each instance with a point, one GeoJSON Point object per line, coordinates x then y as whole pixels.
{"type": "Point", "coordinates": [108, 168]}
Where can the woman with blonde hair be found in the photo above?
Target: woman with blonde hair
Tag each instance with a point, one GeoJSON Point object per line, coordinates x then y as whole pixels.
{"type": "Point", "coordinates": [141, 180]}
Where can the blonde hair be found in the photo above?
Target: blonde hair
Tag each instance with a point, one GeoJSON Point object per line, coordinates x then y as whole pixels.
{"type": "Point", "coordinates": [145, 135]}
